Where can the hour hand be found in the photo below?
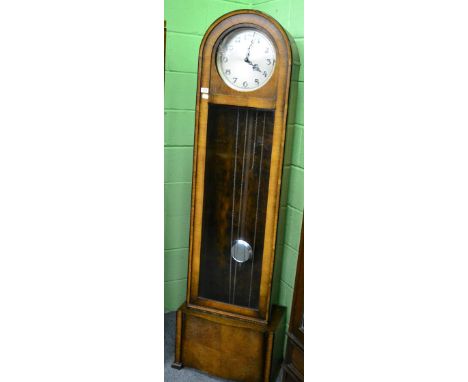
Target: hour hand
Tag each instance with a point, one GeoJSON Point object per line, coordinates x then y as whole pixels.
{"type": "Point", "coordinates": [255, 67]}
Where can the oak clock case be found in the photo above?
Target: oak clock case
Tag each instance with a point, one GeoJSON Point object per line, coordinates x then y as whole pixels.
{"type": "Point", "coordinates": [228, 326]}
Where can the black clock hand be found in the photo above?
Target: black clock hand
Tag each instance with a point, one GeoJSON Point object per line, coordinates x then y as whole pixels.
{"type": "Point", "coordinates": [248, 51]}
{"type": "Point", "coordinates": [255, 67]}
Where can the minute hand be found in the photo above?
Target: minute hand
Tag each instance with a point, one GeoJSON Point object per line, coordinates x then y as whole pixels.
{"type": "Point", "coordinates": [248, 50]}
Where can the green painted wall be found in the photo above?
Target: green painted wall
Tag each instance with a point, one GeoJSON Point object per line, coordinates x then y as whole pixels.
{"type": "Point", "coordinates": [187, 21]}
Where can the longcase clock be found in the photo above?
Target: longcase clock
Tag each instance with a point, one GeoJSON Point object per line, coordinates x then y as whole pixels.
{"type": "Point", "coordinates": [228, 326]}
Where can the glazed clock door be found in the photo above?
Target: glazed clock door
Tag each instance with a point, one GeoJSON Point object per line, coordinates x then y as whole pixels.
{"type": "Point", "coordinates": [238, 155]}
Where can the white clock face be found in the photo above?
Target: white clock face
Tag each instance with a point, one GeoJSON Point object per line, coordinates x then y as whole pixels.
{"type": "Point", "coordinates": [246, 59]}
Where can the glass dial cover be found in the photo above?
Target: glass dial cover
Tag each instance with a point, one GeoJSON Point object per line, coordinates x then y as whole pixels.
{"type": "Point", "coordinates": [246, 59]}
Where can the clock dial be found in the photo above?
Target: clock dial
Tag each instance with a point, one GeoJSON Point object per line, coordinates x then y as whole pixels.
{"type": "Point", "coordinates": [246, 59]}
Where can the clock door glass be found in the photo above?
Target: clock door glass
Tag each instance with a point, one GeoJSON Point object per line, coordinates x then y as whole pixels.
{"type": "Point", "coordinates": [237, 171]}
{"type": "Point", "coordinates": [246, 59]}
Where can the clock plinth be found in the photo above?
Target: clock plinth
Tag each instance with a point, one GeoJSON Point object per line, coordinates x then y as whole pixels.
{"type": "Point", "coordinates": [228, 326]}
{"type": "Point", "coordinates": [231, 348]}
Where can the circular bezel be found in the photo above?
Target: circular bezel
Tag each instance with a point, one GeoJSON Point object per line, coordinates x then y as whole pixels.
{"type": "Point", "coordinates": [230, 35]}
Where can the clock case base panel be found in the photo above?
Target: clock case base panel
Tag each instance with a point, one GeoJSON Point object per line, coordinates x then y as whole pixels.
{"type": "Point", "coordinates": [231, 348]}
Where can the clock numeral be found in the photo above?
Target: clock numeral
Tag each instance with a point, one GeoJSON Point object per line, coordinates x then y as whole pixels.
{"type": "Point", "coordinates": [257, 81]}
{"type": "Point", "coordinates": [245, 84]}
{"type": "Point", "coordinates": [265, 73]}
{"type": "Point", "coordinates": [230, 47]}
{"type": "Point", "coordinates": [225, 59]}
{"type": "Point", "coordinates": [228, 72]}
{"type": "Point", "coordinates": [234, 79]}
{"type": "Point", "coordinates": [237, 40]}
{"type": "Point", "coordinates": [268, 61]}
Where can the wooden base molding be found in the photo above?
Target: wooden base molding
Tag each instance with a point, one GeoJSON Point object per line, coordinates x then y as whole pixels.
{"type": "Point", "coordinates": [230, 348]}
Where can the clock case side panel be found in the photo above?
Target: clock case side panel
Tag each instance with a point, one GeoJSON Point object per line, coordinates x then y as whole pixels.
{"type": "Point", "coordinates": [283, 186]}
{"type": "Point", "coordinates": [274, 94]}
{"type": "Point", "coordinates": [290, 131]}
